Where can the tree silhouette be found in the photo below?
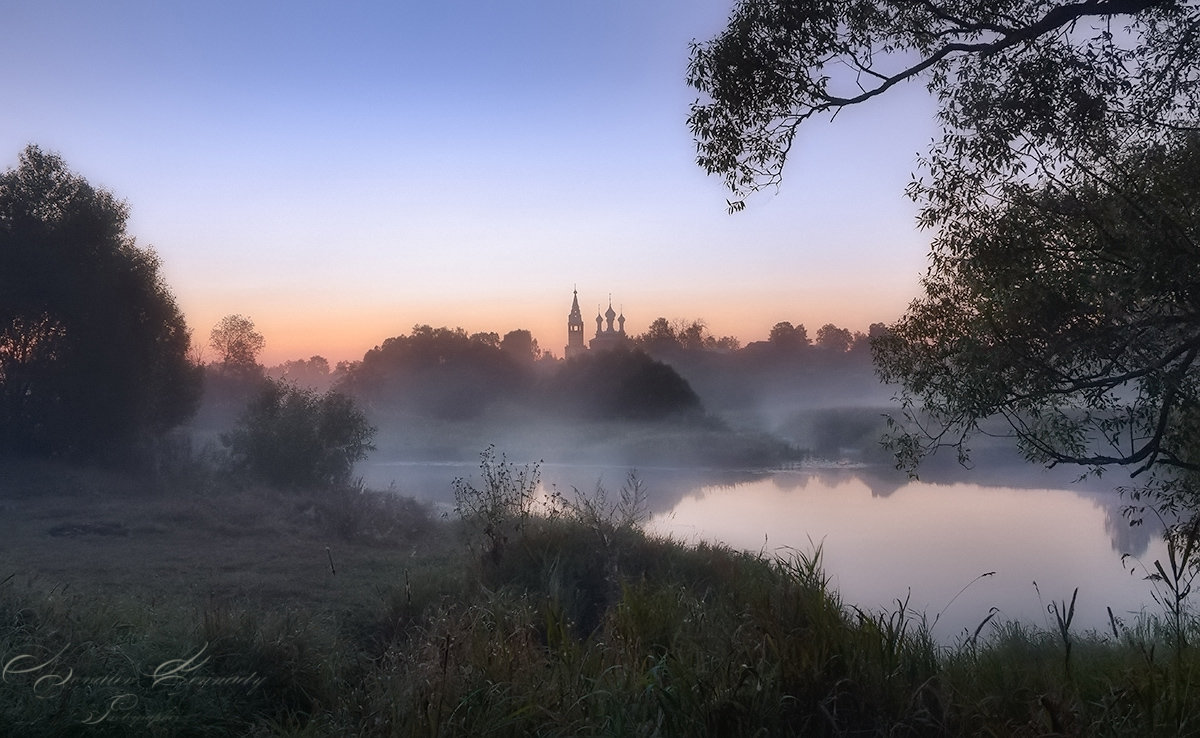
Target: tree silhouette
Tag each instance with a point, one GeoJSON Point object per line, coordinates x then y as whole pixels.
{"type": "Point", "coordinates": [833, 339]}
{"type": "Point", "coordinates": [1060, 299]}
{"type": "Point", "coordinates": [1022, 85]}
{"type": "Point", "coordinates": [237, 344]}
{"type": "Point", "coordinates": [521, 345]}
{"type": "Point", "coordinates": [293, 437]}
{"type": "Point", "coordinates": [787, 337]}
{"type": "Point", "coordinates": [1074, 317]}
{"type": "Point", "coordinates": [440, 372]}
{"type": "Point", "coordinates": [621, 384]}
{"type": "Point", "coordinates": [93, 349]}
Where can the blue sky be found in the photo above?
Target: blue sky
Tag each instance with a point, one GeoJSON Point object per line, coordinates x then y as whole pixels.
{"type": "Point", "coordinates": [342, 171]}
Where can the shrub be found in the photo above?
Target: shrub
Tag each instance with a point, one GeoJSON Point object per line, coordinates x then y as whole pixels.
{"type": "Point", "coordinates": [294, 437]}
{"type": "Point", "coordinates": [502, 505]}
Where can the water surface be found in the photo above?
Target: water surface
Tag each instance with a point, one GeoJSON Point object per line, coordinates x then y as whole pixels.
{"type": "Point", "coordinates": [953, 550]}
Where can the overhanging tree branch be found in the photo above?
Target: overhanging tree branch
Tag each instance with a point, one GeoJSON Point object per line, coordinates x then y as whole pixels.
{"type": "Point", "coordinates": [1055, 19]}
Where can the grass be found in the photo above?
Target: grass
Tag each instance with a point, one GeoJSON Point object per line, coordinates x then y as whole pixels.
{"type": "Point", "coordinates": [202, 608]}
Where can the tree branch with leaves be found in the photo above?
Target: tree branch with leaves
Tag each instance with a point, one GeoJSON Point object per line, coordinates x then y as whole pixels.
{"type": "Point", "coordinates": [1009, 75]}
{"type": "Point", "coordinates": [1061, 305]}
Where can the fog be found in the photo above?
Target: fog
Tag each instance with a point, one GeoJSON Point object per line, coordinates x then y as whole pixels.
{"type": "Point", "coordinates": [679, 417]}
{"type": "Point", "coordinates": [781, 453]}
{"type": "Point", "coordinates": [682, 418]}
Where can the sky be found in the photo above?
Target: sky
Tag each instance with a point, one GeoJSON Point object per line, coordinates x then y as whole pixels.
{"type": "Point", "coordinates": [342, 171]}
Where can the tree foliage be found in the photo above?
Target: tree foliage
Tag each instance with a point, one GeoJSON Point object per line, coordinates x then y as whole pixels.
{"type": "Point", "coordinates": [521, 345]}
{"type": "Point", "coordinates": [621, 384]}
{"type": "Point", "coordinates": [441, 372]}
{"type": "Point", "coordinates": [834, 339]}
{"type": "Point", "coordinates": [313, 372]}
{"type": "Point", "coordinates": [237, 344]}
{"type": "Point", "coordinates": [1074, 315]}
{"type": "Point", "coordinates": [669, 337]}
{"type": "Point", "coordinates": [788, 337]}
{"type": "Point", "coordinates": [1022, 84]}
{"type": "Point", "coordinates": [93, 348]}
{"type": "Point", "coordinates": [1061, 198]}
{"type": "Point", "coordinates": [295, 438]}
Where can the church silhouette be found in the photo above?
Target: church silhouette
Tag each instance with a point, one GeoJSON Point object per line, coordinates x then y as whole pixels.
{"type": "Point", "coordinates": [607, 336]}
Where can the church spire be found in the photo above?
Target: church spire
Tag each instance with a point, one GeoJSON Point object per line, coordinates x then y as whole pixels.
{"type": "Point", "coordinates": [574, 345]}
{"type": "Point", "coordinates": [575, 312]}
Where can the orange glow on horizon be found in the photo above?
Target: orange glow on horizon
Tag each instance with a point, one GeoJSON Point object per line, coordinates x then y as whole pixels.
{"type": "Point", "coordinates": [344, 332]}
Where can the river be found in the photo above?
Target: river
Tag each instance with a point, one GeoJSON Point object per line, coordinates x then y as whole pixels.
{"type": "Point", "coordinates": [952, 549]}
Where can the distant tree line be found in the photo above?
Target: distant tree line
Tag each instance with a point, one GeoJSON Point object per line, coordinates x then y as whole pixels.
{"type": "Point", "coordinates": [97, 363]}
{"type": "Point", "coordinates": [682, 335]}
{"type": "Point", "coordinates": [448, 373]}
{"type": "Point", "coordinates": [667, 371]}
{"type": "Point", "coordinates": [788, 364]}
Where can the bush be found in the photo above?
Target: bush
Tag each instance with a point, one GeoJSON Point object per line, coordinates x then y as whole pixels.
{"type": "Point", "coordinates": [294, 437]}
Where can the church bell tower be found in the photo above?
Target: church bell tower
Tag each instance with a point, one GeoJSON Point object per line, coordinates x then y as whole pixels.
{"type": "Point", "coordinates": [574, 345]}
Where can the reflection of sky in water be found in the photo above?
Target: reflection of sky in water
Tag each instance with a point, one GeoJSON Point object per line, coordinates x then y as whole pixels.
{"type": "Point", "coordinates": [935, 539]}
{"type": "Point", "coordinates": [884, 537]}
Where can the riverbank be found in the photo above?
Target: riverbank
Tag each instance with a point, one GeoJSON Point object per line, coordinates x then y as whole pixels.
{"type": "Point", "coordinates": [193, 607]}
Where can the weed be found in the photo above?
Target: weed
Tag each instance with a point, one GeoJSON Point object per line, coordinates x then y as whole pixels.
{"type": "Point", "coordinates": [585, 625]}
{"type": "Point", "coordinates": [498, 510]}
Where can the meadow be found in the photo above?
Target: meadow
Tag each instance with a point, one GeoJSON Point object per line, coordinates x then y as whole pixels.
{"type": "Point", "coordinates": [188, 603]}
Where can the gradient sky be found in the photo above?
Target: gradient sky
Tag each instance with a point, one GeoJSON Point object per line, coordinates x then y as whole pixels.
{"type": "Point", "coordinates": [342, 171]}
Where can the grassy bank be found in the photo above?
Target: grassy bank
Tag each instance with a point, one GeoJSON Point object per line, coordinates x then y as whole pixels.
{"type": "Point", "coordinates": [193, 607]}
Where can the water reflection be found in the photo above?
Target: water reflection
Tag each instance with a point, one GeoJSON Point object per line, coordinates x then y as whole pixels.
{"type": "Point", "coordinates": [885, 537]}
{"type": "Point", "coordinates": [927, 541]}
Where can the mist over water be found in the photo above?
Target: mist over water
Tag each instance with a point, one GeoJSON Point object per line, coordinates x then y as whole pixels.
{"type": "Point", "coordinates": [770, 448]}
{"type": "Point", "coordinates": [1035, 534]}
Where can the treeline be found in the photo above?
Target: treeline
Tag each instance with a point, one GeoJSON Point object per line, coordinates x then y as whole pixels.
{"type": "Point", "coordinates": [678, 336]}
{"type": "Point", "coordinates": [97, 362]}
{"type": "Point", "coordinates": [451, 374]}
{"type": "Point", "coordinates": [447, 373]}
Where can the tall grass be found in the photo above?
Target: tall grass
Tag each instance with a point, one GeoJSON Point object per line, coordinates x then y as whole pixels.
{"type": "Point", "coordinates": [580, 624]}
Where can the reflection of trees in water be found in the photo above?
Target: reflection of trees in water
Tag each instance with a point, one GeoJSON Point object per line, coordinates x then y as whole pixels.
{"type": "Point", "coordinates": [667, 486]}
{"type": "Point", "coordinates": [1126, 539]}
{"type": "Point", "coordinates": [883, 482]}
{"type": "Point", "coordinates": [791, 481]}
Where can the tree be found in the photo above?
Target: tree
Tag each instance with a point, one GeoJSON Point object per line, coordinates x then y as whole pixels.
{"type": "Point", "coordinates": [833, 339]}
{"type": "Point", "coordinates": [622, 384]}
{"type": "Point", "coordinates": [1061, 196]}
{"type": "Point", "coordinates": [1022, 84]}
{"type": "Point", "coordinates": [1074, 317]}
{"type": "Point", "coordinates": [312, 372]}
{"type": "Point", "coordinates": [863, 341]}
{"type": "Point", "coordinates": [724, 344]}
{"type": "Point", "coordinates": [521, 345]}
{"type": "Point", "coordinates": [237, 344]}
{"type": "Point", "coordinates": [659, 337]}
{"type": "Point", "coordinates": [294, 437]}
{"type": "Point", "coordinates": [439, 372]}
{"type": "Point", "coordinates": [788, 337]}
{"type": "Point", "coordinates": [665, 337]}
{"type": "Point", "coordinates": [93, 348]}
{"type": "Point", "coordinates": [491, 339]}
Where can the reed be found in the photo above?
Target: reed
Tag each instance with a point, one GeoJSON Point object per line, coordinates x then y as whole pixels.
{"type": "Point", "coordinates": [584, 625]}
